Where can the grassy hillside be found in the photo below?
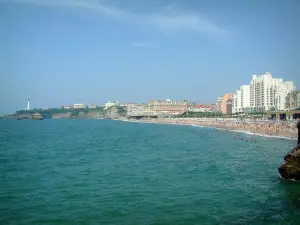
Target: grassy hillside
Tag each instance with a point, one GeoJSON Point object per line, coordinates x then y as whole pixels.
{"type": "Point", "coordinates": [49, 113]}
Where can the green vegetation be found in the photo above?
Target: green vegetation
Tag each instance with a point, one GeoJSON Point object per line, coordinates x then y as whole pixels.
{"type": "Point", "coordinates": [121, 110]}
{"type": "Point", "coordinates": [258, 114]}
{"type": "Point", "coordinates": [75, 113]}
{"type": "Point", "coordinates": [200, 114]}
{"type": "Point", "coordinates": [48, 113]}
{"type": "Point", "coordinates": [218, 114]}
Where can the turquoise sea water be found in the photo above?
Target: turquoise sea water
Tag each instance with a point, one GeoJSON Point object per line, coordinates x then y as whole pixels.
{"type": "Point", "coordinates": [112, 172]}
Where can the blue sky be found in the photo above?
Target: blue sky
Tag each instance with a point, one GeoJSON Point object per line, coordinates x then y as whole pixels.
{"type": "Point", "coordinates": [70, 51]}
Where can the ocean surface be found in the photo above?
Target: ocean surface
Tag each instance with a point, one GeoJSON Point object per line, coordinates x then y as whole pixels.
{"type": "Point", "coordinates": [113, 172]}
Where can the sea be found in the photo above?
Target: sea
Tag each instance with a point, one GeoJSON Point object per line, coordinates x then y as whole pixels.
{"type": "Point", "coordinates": [89, 171]}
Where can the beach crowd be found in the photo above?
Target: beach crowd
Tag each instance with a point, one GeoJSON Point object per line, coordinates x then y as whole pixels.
{"type": "Point", "coordinates": [286, 129]}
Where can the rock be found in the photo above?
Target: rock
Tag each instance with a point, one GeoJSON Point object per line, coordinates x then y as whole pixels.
{"type": "Point", "coordinates": [66, 115]}
{"type": "Point", "coordinates": [290, 169]}
{"type": "Point", "coordinates": [36, 116]}
{"type": "Point", "coordinates": [112, 113]}
{"type": "Point", "coordinates": [23, 117]}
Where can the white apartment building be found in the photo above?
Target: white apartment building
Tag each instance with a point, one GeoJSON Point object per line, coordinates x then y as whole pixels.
{"type": "Point", "coordinates": [111, 103]}
{"type": "Point", "coordinates": [92, 106]}
{"type": "Point", "coordinates": [264, 93]}
{"type": "Point", "coordinates": [268, 93]}
{"type": "Point", "coordinates": [79, 106]}
{"type": "Point", "coordinates": [241, 100]}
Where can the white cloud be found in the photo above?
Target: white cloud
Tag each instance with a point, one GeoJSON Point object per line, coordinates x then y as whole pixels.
{"type": "Point", "coordinates": [174, 22]}
{"type": "Point", "coordinates": [141, 44]}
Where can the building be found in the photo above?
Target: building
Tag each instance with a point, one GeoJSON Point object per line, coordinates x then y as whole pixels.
{"type": "Point", "coordinates": [79, 106]}
{"type": "Point", "coordinates": [291, 100]}
{"type": "Point", "coordinates": [298, 99]}
{"type": "Point", "coordinates": [264, 93]}
{"type": "Point", "coordinates": [241, 100]}
{"type": "Point", "coordinates": [203, 108]}
{"type": "Point", "coordinates": [136, 110]}
{"type": "Point", "coordinates": [92, 106]}
{"type": "Point", "coordinates": [169, 107]}
{"type": "Point", "coordinates": [67, 107]}
{"type": "Point", "coordinates": [110, 104]}
{"type": "Point", "coordinates": [131, 106]}
{"type": "Point", "coordinates": [284, 115]}
{"type": "Point", "coordinates": [229, 106]}
{"type": "Point", "coordinates": [236, 102]}
{"type": "Point", "coordinates": [268, 93]}
{"type": "Point", "coordinates": [140, 110]}
{"type": "Point", "coordinates": [219, 103]}
{"type": "Point", "coordinates": [285, 88]}
{"type": "Point", "coordinates": [222, 105]}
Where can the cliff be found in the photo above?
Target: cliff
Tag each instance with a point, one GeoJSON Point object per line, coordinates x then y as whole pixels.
{"type": "Point", "coordinates": [290, 169]}
{"type": "Point", "coordinates": [114, 113]}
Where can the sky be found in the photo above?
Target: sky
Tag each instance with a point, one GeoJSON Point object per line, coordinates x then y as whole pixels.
{"type": "Point", "coordinates": [58, 52]}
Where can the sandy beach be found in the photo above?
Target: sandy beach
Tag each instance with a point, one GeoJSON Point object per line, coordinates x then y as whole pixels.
{"type": "Point", "coordinates": [279, 129]}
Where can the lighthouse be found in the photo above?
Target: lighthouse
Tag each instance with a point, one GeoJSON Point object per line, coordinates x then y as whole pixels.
{"type": "Point", "coordinates": [28, 104]}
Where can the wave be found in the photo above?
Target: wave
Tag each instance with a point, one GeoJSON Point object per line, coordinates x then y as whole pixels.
{"type": "Point", "coordinates": [262, 135]}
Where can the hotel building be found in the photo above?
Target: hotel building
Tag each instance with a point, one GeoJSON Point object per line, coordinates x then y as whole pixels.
{"type": "Point", "coordinates": [168, 106]}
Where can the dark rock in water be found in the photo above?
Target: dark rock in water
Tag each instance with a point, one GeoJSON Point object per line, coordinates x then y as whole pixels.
{"type": "Point", "coordinates": [290, 169]}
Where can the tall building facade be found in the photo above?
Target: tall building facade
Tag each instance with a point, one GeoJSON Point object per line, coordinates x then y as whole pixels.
{"type": "Point", "coordinates": [264, 93]}
{"type": "Point", "coordinates": [219, 103]}
{"type": "Point", "coordinates": [268, 93]}
{"type": "Point", "coordinates": [236, 102]}
{"type": "Point", "coordinates": [229, 106]}
{"type": "Point", "coordinates": [241, 100]}
{"type": "Point", "coordinates": [225, 98]}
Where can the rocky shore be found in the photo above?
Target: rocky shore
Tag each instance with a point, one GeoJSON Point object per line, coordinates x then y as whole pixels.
{"type": "Point", "coordinates": [290, 169]}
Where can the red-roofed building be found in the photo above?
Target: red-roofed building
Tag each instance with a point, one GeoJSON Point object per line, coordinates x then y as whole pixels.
{"type": "Point", "coordinates": [203, 108]}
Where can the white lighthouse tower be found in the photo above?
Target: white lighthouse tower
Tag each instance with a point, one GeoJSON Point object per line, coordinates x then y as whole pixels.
{"type": "Point", "coordinates": [28, 104]}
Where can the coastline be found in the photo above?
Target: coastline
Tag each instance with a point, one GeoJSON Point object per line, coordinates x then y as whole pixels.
{"type": "Point", "coordinates": [290, 135]}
